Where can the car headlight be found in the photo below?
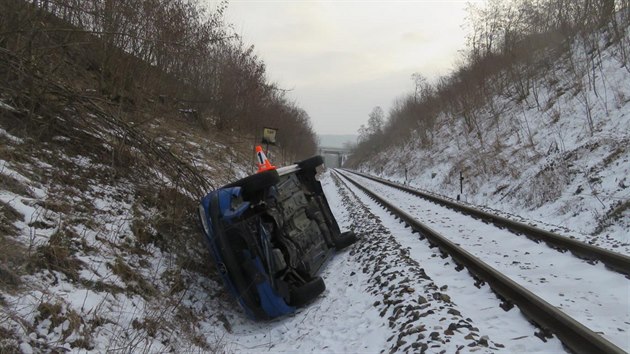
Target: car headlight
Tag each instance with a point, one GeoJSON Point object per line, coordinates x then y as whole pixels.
{"type": "Point", "coordinates": [204, 220]}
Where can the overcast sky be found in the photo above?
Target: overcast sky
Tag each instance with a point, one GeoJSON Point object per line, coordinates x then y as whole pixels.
{"type": "Point", "coordinates": [340, 59]}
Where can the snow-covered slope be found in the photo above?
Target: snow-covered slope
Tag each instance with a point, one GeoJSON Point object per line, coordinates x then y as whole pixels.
{"type": "Point", "coordinates": [543, 157]}
{"type": "Point", "coordinates": [98, 247]}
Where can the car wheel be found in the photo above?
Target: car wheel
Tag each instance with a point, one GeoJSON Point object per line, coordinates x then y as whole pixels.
{"type": "Point", "coordinates": [311, 163]}
{"type": "Point", "coordinates": [344, 240]}
{"type": "Point", "coordinates": [256, 183]}
{"type": "Point", "coordinates": [307, 292]}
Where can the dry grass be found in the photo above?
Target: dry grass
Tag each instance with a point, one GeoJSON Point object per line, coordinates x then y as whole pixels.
{"type": "Point", "coordinates": [8, 343]}
{"type": "Point", "coordinates": [8, 216]}
{"type": "Point", "coordinates": [172, 219]}
{"type": "Point", "coordinates": [136, 284]}
{"type": "Point", "coordinates": [188, 322]}
{"type": "Point", "coordinates": [615, 154]}
{"type": "Point", "coordinates": [12, 152]}
{"type": "Point", "coordinates": [101, 286]}
{"type": "Point", "coordinates": [200, 264]}
{"type": "Point", "coordinates": [140, 227]}
{"type": "Point", "coordinates": [9, 280]}
{"type": "Point", "coordinates": [151, 326]}
{"type": "Point", "coordinates": [14, 186]}
{"type": "Point", "coordinates": [58, 315]}
{"type": "Point", "coordinates": [12, 253]}
{"type": "Point", "coordinates": [59, 254]}
{"type": "Point", "coordinates": [176, 282]}
{"type": "Point", "coordinates": [68, 320]}
{"type": "Point", "coordinates": [616, 213]}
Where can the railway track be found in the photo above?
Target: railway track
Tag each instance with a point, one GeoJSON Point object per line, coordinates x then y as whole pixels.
{"type": "Point", "coordinates": [613, 260]}
{"type": "Point", "coordinates": [574, 335]}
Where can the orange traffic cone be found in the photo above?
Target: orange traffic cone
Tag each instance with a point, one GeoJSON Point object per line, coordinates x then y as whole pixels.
{"type": "Point", "coordinates": [263, 161]}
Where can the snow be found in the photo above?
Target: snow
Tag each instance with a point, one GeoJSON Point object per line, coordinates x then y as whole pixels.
{"type": "Point", "coordinates": [592, 294]}
{"type": "Point", "coordinates": [8, 108]}
{"type": "Point", "coordinates": [340, 320]}
{"type": "Point", "coordinates": [541, 163]}
{"type": "Point", "coordinates": [337, 322]}
{"type": "Point", "coordinates": [352, 315]}
{"type": "Point", "coordinates": [391, 291]}
{"type": "Point", "coordinates": [480, 304]}
{"type": "Point", "coordinates": [11, 138]}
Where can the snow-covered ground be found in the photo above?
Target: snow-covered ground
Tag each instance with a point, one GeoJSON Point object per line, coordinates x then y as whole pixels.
{"type": "Point", "coordinates": [538, 157]}
{"type": "Point", "coordinates": [591, 294]}
{"type": "Point", "coordinates": [85, 265]}
{"type": "Point", "coordinates": [391, 292]}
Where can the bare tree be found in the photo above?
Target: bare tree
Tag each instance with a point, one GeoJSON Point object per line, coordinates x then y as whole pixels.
{"type": "Point", "coordinates": [174, 49]}
{"type": "Point", "coordinates": [376, 121]}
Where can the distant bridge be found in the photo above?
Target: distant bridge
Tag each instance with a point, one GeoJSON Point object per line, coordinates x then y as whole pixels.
{"type": "Point", "coordinates": [333, 157]}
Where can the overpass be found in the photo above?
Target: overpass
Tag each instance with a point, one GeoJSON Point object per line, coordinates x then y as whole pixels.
{"type": "Point", "coordinates": [333, 156]}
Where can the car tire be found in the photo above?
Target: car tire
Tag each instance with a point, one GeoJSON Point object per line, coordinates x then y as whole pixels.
{"type": "Point", "coordinates": [344, 240]}
{"type": "Point", "coordinates": [256, 183]}
{"type": "Point", "coordinates": [307, 292]}
{"type": "Point", "coordinates": [311, 163]}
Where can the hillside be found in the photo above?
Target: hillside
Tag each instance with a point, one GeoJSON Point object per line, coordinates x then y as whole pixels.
{"type": "Point", "coordinates": [544, 137]}
{"type": "Point", "coordinates": [100, 249]}
{"type": "Point", "coordinates": [103, 158]}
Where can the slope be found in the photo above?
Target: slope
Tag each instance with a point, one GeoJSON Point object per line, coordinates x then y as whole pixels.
{"type": "Point", "coordinates": [99, 246]}
{"type": "Point", "coordinates": [557, 153]}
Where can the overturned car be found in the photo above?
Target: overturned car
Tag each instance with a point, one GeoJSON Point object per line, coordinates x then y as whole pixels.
{"type": "Point", "coordinates": [269, 234]}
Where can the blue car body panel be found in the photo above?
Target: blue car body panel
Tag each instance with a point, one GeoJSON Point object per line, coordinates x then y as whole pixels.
{"type": "Point", "coordinates": [272, 304]}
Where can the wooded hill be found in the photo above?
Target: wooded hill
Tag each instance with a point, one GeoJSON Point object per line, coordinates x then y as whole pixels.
{"type": "Point", "coordinates": [116, 116]}
{"type": "Point", "coordinates": [535, 118]}
{"type": "Point", "coordinates": [139, 54]}
{"type": "Point", "coordinates": [511, 46]}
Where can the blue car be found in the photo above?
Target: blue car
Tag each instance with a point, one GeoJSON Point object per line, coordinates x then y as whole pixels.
{"type": "Point", "coordinates": [269, 235]}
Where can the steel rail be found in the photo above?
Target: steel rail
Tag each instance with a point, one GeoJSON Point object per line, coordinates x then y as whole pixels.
{"type": "Point", "coordinates": [613, 260]}
{"type": "Point", "coordinates": [573, 334]}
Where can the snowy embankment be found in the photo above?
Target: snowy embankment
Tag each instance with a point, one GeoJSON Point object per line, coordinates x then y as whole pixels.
{"type": "Point", "coordinates": [100, 257]}
{"type": "Point", "coordinates": [560, 156]}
